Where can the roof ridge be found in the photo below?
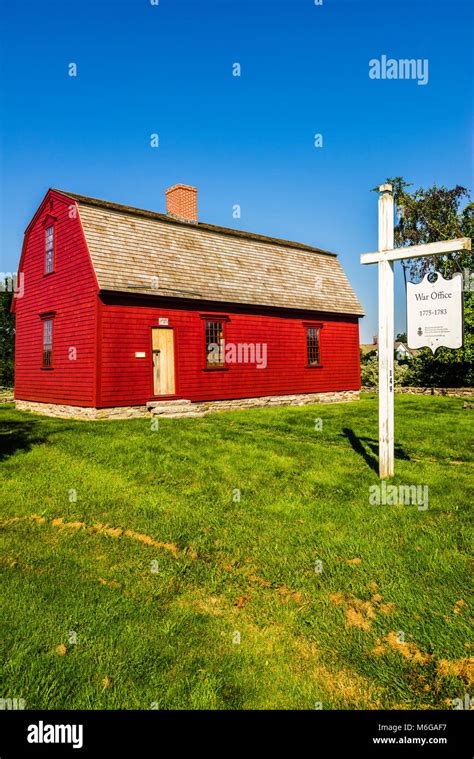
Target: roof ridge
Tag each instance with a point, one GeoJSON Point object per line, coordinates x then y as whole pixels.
{"type": "Point", "coordinates": [112, 206]}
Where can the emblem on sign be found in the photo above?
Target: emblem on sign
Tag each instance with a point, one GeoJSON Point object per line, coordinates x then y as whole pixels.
{"type": "Point", "coordinates": [434, 313]}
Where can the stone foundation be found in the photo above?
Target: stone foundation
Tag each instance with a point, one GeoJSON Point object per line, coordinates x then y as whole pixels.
{"type": "Point", "coordinates": [81, 412]}
{"type": "Point", "coordinates": [184, 408]}
{"type": "Point", "coordinates": [180, 408]}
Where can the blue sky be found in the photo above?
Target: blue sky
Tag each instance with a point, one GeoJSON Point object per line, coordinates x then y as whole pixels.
{"type": "Point", "coordinates": [248, 140]}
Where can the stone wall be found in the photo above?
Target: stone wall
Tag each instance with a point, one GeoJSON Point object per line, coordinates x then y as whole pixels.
{"type": "Point", "coordinates": [81, 412]}
{"type": "Point", "coordinates": [183, 408]}
{"type": "Point", "coordinates": [180, 408]}
{"type": "Point", "coordinates": [280, 400]}
{"type": "Point", "coordinates": [6, 395]}
{"type": "Point", "coordinates": [463, 392]}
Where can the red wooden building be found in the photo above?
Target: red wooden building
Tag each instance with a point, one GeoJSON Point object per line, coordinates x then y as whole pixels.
{"type": "Point", "coordinates": [119, 307]}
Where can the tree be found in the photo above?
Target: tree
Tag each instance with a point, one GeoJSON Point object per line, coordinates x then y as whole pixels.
{"type": "Point", "coordinates": [369, 372]}
{"type": "Point", "coordinates": [7, 334]}
{"type": "Point", "coordinates": [366, 356]}
{"type": "Point", "coordinates": [430, 215]}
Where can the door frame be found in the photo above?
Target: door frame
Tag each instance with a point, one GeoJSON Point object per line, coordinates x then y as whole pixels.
{"type": "Point", "coordinates": [152, 381]}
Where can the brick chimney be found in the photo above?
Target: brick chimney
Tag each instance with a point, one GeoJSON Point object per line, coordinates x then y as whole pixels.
{"type": "Point", "coordinates": [181, 202]}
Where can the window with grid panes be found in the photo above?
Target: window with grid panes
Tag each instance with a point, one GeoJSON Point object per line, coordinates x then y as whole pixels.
{"type": "Point", "coordinates": [312, 345]}
{"type": "Point", "coordinates": [47, 343]}
{"type": "Point", "coordinates": [49, 250]}
{"type": "Point", "coordinates": [214, 344]}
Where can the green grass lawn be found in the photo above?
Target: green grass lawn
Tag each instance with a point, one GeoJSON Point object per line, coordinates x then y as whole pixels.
{"type": "Point", "coordinates": [182, 596]}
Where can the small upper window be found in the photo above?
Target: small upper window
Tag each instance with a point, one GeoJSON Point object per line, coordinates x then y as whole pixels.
{"type": "Point", "coordinates": [214, 344]}
{"type": "Point", "coordinates": [47, 343]}
{"type": "Point", "coordinates": [49, 250]}
{"type": "Point", "coordinates": [312, 345]}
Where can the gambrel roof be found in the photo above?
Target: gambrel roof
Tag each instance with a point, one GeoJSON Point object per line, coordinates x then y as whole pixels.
{"type": "Point", "coordinates": [138, 251]}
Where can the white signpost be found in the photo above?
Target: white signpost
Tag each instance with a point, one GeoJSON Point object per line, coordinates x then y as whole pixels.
{"type": "Point", "coordinates": [385, 257]}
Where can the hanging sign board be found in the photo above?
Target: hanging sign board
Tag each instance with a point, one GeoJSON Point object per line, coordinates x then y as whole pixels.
{"type": "Point", "coordinates": [435, 313]}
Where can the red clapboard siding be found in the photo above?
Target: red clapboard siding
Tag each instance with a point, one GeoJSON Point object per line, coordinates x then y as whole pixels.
{"type": "Point", "coordinates": [126, 329]}
{"type": "Point", "coordinates": [71, 292]}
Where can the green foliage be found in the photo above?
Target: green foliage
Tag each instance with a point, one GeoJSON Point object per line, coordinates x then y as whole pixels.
{"type": "Point", "coordinates": [366, 356]}
{"type": "Point", "coordinates": [7, 335]}
{"type": "Point", "coordinates": [430, 215]}
{"type": "Point", "coordinates": [369, 372]}
{"type": "Point", "coordinates": [439, 370]}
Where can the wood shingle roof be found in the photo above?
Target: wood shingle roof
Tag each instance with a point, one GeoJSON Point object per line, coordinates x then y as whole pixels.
{"type": "Point", "coordinates": [134, 250]}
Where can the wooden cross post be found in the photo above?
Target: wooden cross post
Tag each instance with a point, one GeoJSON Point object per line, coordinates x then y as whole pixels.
{"type": "Point", "coordinates": [385, 258]}
{"type": "Point", "coordinates": [386, 336]}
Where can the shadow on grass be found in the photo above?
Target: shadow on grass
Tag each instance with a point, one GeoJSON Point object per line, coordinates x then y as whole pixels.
{"type": "Point", "coordinates": [23, 435]}
{"type": "Point", "coordinates": [19, 436]}
{"type": "Point", "coordinates": [368, 448]}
